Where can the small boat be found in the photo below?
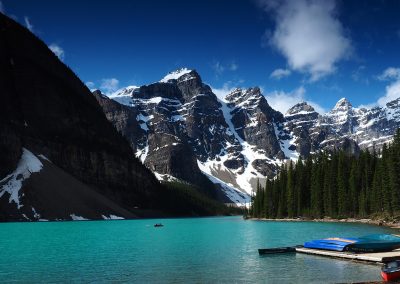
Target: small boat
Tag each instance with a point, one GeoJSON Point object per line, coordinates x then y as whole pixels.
{"type": "Point", "coordinates": [276, 250]}
{"type": "Point", "coordinates": [391, 271]}
{"type": "Point", "coordinates": [337, 244]}
{"type": "Point", "coordinates": [375, 243]}
{"type": "Point", "coordinates": [158, 225]}
{"type": "Point", "coordinates": [370, 243]}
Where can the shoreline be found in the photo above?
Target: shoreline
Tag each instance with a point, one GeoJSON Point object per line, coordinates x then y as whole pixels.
{"type": "Point", "coordinates": [377, 222]}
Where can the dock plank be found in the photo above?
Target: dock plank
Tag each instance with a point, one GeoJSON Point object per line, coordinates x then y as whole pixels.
{"type": "Point", "coordinates": [368, 257]}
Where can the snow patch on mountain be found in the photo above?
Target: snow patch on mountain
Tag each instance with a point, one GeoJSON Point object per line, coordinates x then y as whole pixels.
{"type": "Point", "coordinates": [235, 195]}
{"type": "Point", "coordinates": [112, 217]}
{"type": "Point", "coordinates": [124, 95]}
{"type": "Point", "coordinates": [142, 119]}
{"type": "Point", "coordinates": [166, 177]}
{"type": "Point", "coordinates": [249, 152]}
{"type": "Point", "coordinates": [175, 75]}
{"type": "Point", "coordinates": [12, 183]}
{"type": "Point", "coordinates": [142, 153]}
{"type": "Point", "coordinates": [287, 144]}
{"type": "Point", "coordinates": [78, 218]}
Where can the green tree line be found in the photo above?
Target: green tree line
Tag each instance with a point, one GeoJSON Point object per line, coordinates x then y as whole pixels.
{"type": "Point", "coordinates": [334, 184]}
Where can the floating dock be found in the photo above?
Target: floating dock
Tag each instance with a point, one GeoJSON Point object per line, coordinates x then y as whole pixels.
{"type": "Point", "coordinates": [378, 257]}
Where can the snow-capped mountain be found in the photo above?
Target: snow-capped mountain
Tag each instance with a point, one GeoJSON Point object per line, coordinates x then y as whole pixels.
{"type": "Point", "coordinates": [344, 127]}
{"type": "Point", "coordinates": [181, 130]}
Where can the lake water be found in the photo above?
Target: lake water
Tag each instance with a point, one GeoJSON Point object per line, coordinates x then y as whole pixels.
{"type": "Point", "coordinates": [201, 250]}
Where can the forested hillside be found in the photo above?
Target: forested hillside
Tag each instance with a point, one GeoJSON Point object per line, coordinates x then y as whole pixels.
{"type": "Point", "coordinates": [334, 184]}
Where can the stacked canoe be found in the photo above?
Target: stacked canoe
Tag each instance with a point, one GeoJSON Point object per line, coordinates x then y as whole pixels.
{"type": "Point", "coordinates": [370, 243]}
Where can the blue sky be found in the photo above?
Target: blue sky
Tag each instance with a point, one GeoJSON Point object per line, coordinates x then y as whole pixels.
{"type": "Point", "coordinates": [313, 50]}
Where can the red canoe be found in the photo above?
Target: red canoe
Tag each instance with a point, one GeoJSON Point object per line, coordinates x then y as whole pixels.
{"type": "Point", "coordinates": [391, 271]}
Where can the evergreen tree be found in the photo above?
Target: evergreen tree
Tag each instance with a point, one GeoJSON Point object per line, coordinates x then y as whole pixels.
{"type": "Point", "coordinates": [290, 191]}
{"type": "Point", "coordinates": [393, 173]}
{"type": "Point", "coordinates": [299, 187]}
{"type": "Point", "coordinates": [334, 184]}
{"type": "Point", "coordinates": [377, 197]}
{"type": "Point", "coordinates": [353, 188]}
{"type": "Point", "coordinates": [342, 185]}
{"type": "Point", "coordinates": [276, 193]}
{"type": "Point", "coordinates": [282, 207]}
{"type": "Point", "coordinates": [316, 196]}
{"type": "Point", "coordinates": [385, 181]}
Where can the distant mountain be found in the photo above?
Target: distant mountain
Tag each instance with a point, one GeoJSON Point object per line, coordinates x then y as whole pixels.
{"type": "Point", "coordinates": [181, 130]}
{"type": "Point", "coordinates": [344, 127]}
{"type": "Point", "coordinates": [61, 159]}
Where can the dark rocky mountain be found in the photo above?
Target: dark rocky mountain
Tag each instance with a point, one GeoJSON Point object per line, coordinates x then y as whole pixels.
{"type": "Point", "coordinates": [60, 158]}
{"type": "Point", "coordinates": [181, 130]}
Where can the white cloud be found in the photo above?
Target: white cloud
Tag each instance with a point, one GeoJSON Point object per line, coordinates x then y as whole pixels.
{"type": "Point", "coordinates": [221, 93]}
{"type": "Point", "coordinates": [282, 101]}
{"type": "Point", "coordinates": [233, 66]}
{"type": "Point", "coordinates": [109, 85]}
{"type": "Point", "coordinates": [280, 73]}
{"type": "Point", "coordinates": [220, 68]}
{"type": "Point", "coordinates": [308, 34]}
{"type": "Point", "coordinates": [389, 74]}
{"type": "Point", "coordinates": [57, 50]}
{"type": "Point", "coordinates": [90, 84]}
{"type": "Point", "coordinates": [28, 24]}
{"type": "Point", "coordinates": [392, 93]}
{"type": "Point", "coordinates": [393, 89]}
{"type": "Point", "coordinates": [358, 75]}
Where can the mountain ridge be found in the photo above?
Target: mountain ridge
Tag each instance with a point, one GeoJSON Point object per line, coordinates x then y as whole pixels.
{"type": "Point", "coordinates": [240, 140]}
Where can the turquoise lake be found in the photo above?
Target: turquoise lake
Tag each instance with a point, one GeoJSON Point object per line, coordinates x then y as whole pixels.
{"type": "Point", "coordinates": [200, 250]}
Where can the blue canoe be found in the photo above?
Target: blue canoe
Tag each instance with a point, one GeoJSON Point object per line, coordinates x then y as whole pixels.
{"type": "Point", "coordinates": [370, 243]}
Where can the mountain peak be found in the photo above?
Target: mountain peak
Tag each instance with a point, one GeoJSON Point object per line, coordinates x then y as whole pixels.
{"type": "Point", "coordinates": [300, 108]}
{"type": "Point", "coordinates": [342, 105]}
{"type": "Point", "coordinates": [394, 104]}
{"type": "Point", "coordinates": [240, 94]}
{"type": "Point", "coordinates": [126, 91]}
{"type": "Point", "coordinates": [175, 75]}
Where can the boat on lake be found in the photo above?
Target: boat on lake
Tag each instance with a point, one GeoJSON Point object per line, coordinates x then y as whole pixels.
{"type": "Point", "coordinates": [369, 243]}
{"type": "Point", "coordinates": [391, 271]}
{"type": "Point", "coordinates": [158, 225]}
{"type": "Point", "coordinates": [276, 250]}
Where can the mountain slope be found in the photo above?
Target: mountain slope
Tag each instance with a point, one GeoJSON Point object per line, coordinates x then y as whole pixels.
{"type": "Point", "coordinates": [48, 112]}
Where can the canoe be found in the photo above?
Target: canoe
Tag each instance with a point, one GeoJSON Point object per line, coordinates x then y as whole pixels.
{"type": "Point", "coordinates": [276, 250]}
{"type": "Point", "coordinates": [370, 243]}
{"type": "Point", "coordinates": [391, 271]}
{"type": "Point", "coordinates": [336, 244]}
{"type": "Point", "coordinates": [375, 243]}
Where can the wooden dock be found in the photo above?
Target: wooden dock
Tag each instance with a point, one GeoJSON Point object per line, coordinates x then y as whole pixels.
{"type": "Point", "coordinates": [378, 257]}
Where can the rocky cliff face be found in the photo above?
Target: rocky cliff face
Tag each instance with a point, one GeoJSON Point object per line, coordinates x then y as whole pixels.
{"type": "Point", "coordinates": [48, 112]}
{"type": "Point", "coordinates": [182, 130]}
{"type": "Point", "coordinates": [344, 127]}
